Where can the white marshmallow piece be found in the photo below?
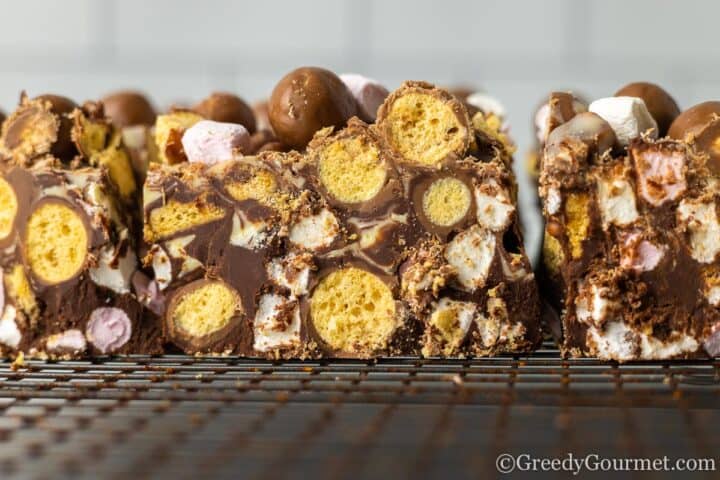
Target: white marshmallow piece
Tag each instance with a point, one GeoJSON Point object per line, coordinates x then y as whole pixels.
{"type": "Point", "coordinates": [247, 234]}
{"type": "Point", "coordinates": [702, 222]}
{"type": "Point", "coordinates": [212, 142]}
{"type": "Point", "coordinates": [487, 104]}
{"type": "Point", "coordinates": [72, 340]}
{"type": "Point", "coordinates": [494, 208]}
{"type": "Point", "coordinates": [617, 341]}
{"type": "Point", "coordinates": [617, 202]}
{"type": "Point", "coordinates": [176, 249]}
{"type": "Point", "coordinates": [553, 201]}
{"type": "Point", "coordinates": [162, 267]}
{"type": "Point", "coordinates": [112, 272]}
{"type": "Point", "coordinates": [369, 94]}
{"type": "Point", "coordinates": [628, 117]}
{"type": "Point", "coordinates": [270, 329]}
{"type": "Point", "coordinates": [9, 332]}
{"type": "Point", "coordinates": [291, 272]}
{"type": "Point", "coordinates": [315, 232]}
{"type": "Point", "coordinates": [471, 253]}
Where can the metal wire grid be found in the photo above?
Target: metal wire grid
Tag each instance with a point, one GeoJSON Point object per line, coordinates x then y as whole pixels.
{"type": "Point", "coordinates": [184, 417]}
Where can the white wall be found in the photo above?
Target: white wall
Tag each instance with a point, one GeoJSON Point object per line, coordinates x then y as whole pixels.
{"type": "Point", "coordinates": [518, 50]}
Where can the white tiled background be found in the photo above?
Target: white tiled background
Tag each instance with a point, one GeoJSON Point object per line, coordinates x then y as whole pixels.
{"type": "Point", "coordinates": [179, 50]}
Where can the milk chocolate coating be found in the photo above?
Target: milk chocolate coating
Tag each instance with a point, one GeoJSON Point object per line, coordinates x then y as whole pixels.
{"type": "Point", "coordinates": [693, 120]}
{"type": "Point", "coordinates": [307, 100]}
{"type": "Point", "coordinates": [587, 127]}
{"type": "Point", "coordinates": [128, 108]}
{"type": "Point", "coordinates": [260, 110]}
{"type": "Point", "coordinates": [64, 147]}
{"type": "Point", "coordinates": [659, 103]}
{"type": "Point", "coordinates": [228, 108]}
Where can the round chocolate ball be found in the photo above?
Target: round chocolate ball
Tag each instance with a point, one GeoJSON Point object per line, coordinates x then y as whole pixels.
{"type": "Point", "coordinates": [659, 103]}
{"type": "Point", "coordinates": [693, 120]}
{"type": "Point", "coordinates": [128, 108]}
{"type": "Point", "coordinates": [307, 100]}
{"type": "Point", "coordinates": [226, 107]}
{"type": "Point", "coordinates": [64, 147]}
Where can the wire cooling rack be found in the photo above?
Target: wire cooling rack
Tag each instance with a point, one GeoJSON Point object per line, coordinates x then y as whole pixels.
{"type": "Point", "coordinates": [182, 417]}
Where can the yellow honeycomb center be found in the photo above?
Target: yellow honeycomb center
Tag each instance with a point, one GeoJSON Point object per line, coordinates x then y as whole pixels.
{"type": "Point", "coordinates": [261, 186]}
{"type": "Point", "coordinates": [424, 129]}
{"type": "Point", "coordinates": [447, 322]}
{"type": "Point", "coordinates": [577, 216]}
{"type": "Point", "coordinates": [446, 201]}
{"type": "Point", "coordinates": [351, 170]}
{"type": "Point", "coordinates": [353, 310]}
{"type": "Point", "coordinates": [206, 309]}
{"type": "Point", "coordinates": [552, 253]}
{"type": "Point", "coordinates": [56, 242]}
{"type": "Point", "coordinates": [176, 216]}
{"type": "Point", "coordinates": [8, 208]}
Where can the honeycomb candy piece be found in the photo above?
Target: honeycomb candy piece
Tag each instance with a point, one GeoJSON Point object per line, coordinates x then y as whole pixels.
{"type": "Point", "coordinates": [631, 242]}
{"type": "Point", "coordinates": [425, 125]}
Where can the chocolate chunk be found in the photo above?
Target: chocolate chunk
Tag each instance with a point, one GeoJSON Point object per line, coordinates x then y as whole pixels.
{"type": "Point", "coordinates": [659, 103]}
{"type": "Point", "coordinates": [227, 108]}
{"type": "Point", "coordinates": [128, 108]}
{"type": "Point", "coordinates": [307, 100]}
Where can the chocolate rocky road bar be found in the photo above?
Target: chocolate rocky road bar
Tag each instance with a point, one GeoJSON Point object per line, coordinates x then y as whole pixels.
{"type": "Point", "coordinates": [630, 198]}
{"type": "Point", "coordinates": [395, 233]}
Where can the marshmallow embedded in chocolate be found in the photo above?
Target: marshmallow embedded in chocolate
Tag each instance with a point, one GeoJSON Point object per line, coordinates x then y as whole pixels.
{"type": "Point", "coordinates": [128, 108]}
{"type": "Point", "coordinates": [425, 125]}
{"type": "Point", "coordinates": [227, 108]}
{"type": "Point", "coordinates": [659, 103]}
{"type": "Point", "coordinates": [108, 329]}
{"type": "Point", "coordinates": [277, 323]}
{"type": "Point", "coordinates": [307, 100]}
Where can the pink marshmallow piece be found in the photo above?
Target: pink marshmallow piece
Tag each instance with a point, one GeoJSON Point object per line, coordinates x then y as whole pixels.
{"type": "Point", "coordinates": [661, 176]}
{"type": "Point", "coordinates": [109, 328]}
{"type": "Point", "coordinates": [148, 292]}
{"type": "Point", "coordinates": [211, 142]}
{"type": "Point", "coordinates": [640, 255]}
{"type": "Point", "coordinates": [72, 340]}
{"type": "Point", "coordinates": [369, 94]}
